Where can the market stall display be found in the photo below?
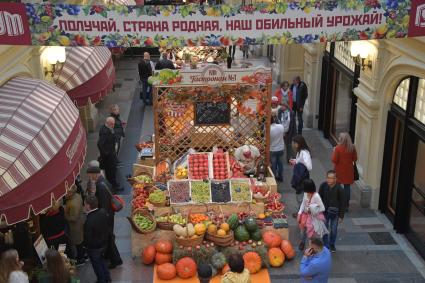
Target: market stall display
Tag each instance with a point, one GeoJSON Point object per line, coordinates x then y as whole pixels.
{"type": "Point", "coordinates": [214, 202]}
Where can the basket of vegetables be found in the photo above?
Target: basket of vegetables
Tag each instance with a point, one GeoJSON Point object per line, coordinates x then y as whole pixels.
{"type": "Point", "coordinates": [221, 235]}
{"type": "Point", "coordinates": [189, 236]}
{"type": "Point", "coordinates": [260, 193]}
{"type": "Point", "coordinates": [167, 221]}
{"type": "Point", "coordinates": [143, 178]}
{"type": "Point", "coordinates": [157, 198]}
{"type": "Point", "coordinates": [142, 221]}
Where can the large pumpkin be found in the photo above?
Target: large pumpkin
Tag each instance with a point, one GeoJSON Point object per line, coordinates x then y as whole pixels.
{"type": "Point", "coordinates": [276, 257]}
{"type": "Point", "coordinates": [252, 262]}
{"type": "Point", "coordinates": [272, 239]}
{"type": "Point", "coordinates": [166, 271]}
{"type": "Point", "coordinates": [161, 258]}
{"type": "Point", "coordinates": [164, 246]}
{"type": "Point", "coordinates": [148, 254]}
{"type": "Point", "coordinates": [186, 267]}
{"type": "Point", "coordinates": [287, 249]}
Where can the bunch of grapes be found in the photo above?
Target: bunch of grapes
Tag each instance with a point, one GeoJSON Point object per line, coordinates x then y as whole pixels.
{"type": "Point", "coordinates": [391, 4]}
{"type": "Point", "coordinates": [48, 10]}
{"type": "Point", "coordinates": [32, 14]}
{"type": "Point", "coordinates": [330, 5]}
{"type": "Point", "coordinates": [248, 9]}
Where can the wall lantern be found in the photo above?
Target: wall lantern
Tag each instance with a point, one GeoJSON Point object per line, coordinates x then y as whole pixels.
{"type": "Point", "coordinates": [55, 57]}
{"type": "Point", "coordinates": [360, 51]}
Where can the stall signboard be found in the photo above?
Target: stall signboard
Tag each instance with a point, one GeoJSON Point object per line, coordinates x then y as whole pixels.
{"type": "Point", "coordinates": [284, 22]}
{"type": "Point", "coordinates": [212, 74]}
{"type": "Point", "coordinates": [41, 248]}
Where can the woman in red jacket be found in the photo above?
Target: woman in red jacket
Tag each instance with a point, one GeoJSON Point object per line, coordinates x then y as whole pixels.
{"type": "Point", "coordinates": [284, 95]}
{"type": "Point", "coordinates": [343, 158]}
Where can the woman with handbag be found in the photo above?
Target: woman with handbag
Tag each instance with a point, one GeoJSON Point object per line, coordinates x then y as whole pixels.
{"type": "Point", "coordinates": [311, 219]}
{"type": "Point", "coordinates": [344, 158]}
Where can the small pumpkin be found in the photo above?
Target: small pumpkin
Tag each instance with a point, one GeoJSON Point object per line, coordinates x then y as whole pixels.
{"type": "Point", "coordinates": [200, 229]}
{"type": "Point", "coordinates": [225, 227]}
{"type": "Point", "coordinates": [221, 232]}
{"type": "Point", "coordinates": [164, 246]}
{"type": "Point", "coordinates": [225, 269]}
{"type": "Point", "coordinates": [212, 229]}
{"type": "Point", "coordinates": [148, 254]}
{"type": "Point", "coordinates": [252, 262]}
{"type": "Point", "coordinates": [186, 267]}
{"type": "Point", "coordinates": [166, 271]}
{"type": "Point", "coordinates": [287, 249]}
{"type": "Point", "coordinates": [161, 258]}
{"type": "Point", "coordinates": [276, 257]}
{"type": "Point", "coordinates": [272, 239]}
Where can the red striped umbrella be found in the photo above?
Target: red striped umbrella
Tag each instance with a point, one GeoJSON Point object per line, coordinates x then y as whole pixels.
{"type": "Point", "coordinates": [87, 74]}
{"type": "Point", "coordinates": [42, 146]}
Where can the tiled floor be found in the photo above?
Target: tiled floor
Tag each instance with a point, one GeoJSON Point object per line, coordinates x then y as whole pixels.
{"type": "Point", "coordinates": [369, 251]}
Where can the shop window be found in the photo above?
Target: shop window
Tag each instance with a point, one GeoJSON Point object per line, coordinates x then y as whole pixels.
{"type": "Point", "coordinates": [420, 102]}
{"type": "Point", "coordinates": [417, 213]}
{"type": "Point", "coordinates": [343, 54]}
{"type": "Point", "coordinates": [401, 93]}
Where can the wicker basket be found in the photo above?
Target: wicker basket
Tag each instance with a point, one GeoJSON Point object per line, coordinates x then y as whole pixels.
{"type": "Point", "coordinates": [133, 181]}
{"type": "Point", "coordinates": [260, 199]}
{"type": "Point", "coordinates": [146, 214]}
{"type": "Point", "coordinates": [190, 242]}
{"type": "Point", "coordinates": [166, 225]}
{"type": "Point", "coordinates": [221, 241]}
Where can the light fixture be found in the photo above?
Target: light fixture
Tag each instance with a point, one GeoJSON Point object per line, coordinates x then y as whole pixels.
{"type": "Point", "coordinates": [55, 57]}
{"type": "Point", "coordinates": [360, 54]}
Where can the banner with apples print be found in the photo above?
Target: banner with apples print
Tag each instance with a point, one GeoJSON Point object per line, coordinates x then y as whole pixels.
{"type": "Point", "coordinates": [300, 21]}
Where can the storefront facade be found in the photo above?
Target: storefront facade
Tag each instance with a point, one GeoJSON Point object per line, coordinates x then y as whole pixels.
{"type": "Point", "coordinates": [339, 76]}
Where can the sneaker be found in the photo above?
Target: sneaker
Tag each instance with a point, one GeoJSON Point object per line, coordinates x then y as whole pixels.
{"type": "Point", "coordinates": [332, 249]}
{"type": "Point", "coordinates": [301, 246]}
{"type": "Point", "coordinates": [113, 265]}
{"type": "Point", "coordinates": [295, 215]}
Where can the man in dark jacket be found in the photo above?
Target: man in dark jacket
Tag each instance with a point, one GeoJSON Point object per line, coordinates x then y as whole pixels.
{"type": "Point", "coordinates": [104, 198]}
{"type": "Point", "coordinates": [333, 197]}
{"type": "Point", "coordinates": [164, 63]}
{"type": "Point", "coordinates": [118, 127]}
{"type": "Point", "coordinates": [108, 155]}
{"type": "Point", "coordinates": [145, 71]}
{"type": "Point", "coordinates": [299, 96]}
{"type": "Point", "coordinates": [96, 237]}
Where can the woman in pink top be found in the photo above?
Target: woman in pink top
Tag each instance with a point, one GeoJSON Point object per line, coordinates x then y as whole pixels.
{"type": "Point", "coordinates": [343, 158]}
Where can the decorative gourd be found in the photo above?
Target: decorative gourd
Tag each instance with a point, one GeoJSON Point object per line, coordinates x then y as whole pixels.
{"type": "Point", "coordinates": [166, 271]}
{"type": "Point", "coordinates": [148, 254]}
{"type": "Point", "coordinates": [186, 267]}
{"type": "Point", "coordinates": [252, 262]}
{"type": "Point", "coordinates": [225, 269]}
{"type": "Point", "coordinates": [287, 249]}
{"type": "Point", "coordinates": [233, 221]}
{"type": "Point", "coordinates": [164, 246]}
{"type": "Point", "coordinates": [251, 224]}
{"type": "Point", "coordinates": [190, 230]}
{"type": "Point", "coordinates": [161, 258]}
{"type": "Point", "coordinates": [272, 239]}
{"type": "Point", "coordinates": [241, 234]}
{"type": "Point", "coordinates": [218, 260]}
{"type": "Point", "coordinates": [212, 229]}
{"type": "Point", "coordinates": [200, 229]}
{"type": "Point", "coordinates": [180, 231]}
{"type": "Point", "coordinates": [256, 235]}
{"type": "Point", "coordinates": [276, 257]}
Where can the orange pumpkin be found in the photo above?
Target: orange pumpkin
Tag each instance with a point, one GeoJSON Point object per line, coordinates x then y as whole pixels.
{"type": "Point", "coordinates": [161, 258]}
{"type": "Point", "coordinates": [166, 271]}
{"type": "Point", "coordinates": [272, 239]}
{"type": "Point", "coordinates": [252, 262]}
{"type": "Point", "coordinates": [164, 246]}
{"type": "Point", "coordinates": [186, 268]}
{"type": "Point", "coordinates": [287, 249]}
{"type": "Point", "coordinates": [225, 269]}
{"type": "Point", "coordinates": [276, 257]}
{"type": "Point", "coordinates": [148, 254]}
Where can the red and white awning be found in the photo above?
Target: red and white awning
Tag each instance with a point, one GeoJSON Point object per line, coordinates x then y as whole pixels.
{"type": "Point", "coordinates": [87, 74]}
{"type": "Point", "coordinates": [42, 146]}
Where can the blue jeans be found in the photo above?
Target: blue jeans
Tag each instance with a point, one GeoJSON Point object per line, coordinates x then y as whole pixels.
{"type": "Point", "coordinates": [347, 195]}
{"type": "Point", "coordinates": [99, 265]}
{"type": "Point", "coordinates": [146, 94]}
{"type": "Point", "coordinates": [276, 158]}
{"type": "Point", "coordinates": [331, 223]}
